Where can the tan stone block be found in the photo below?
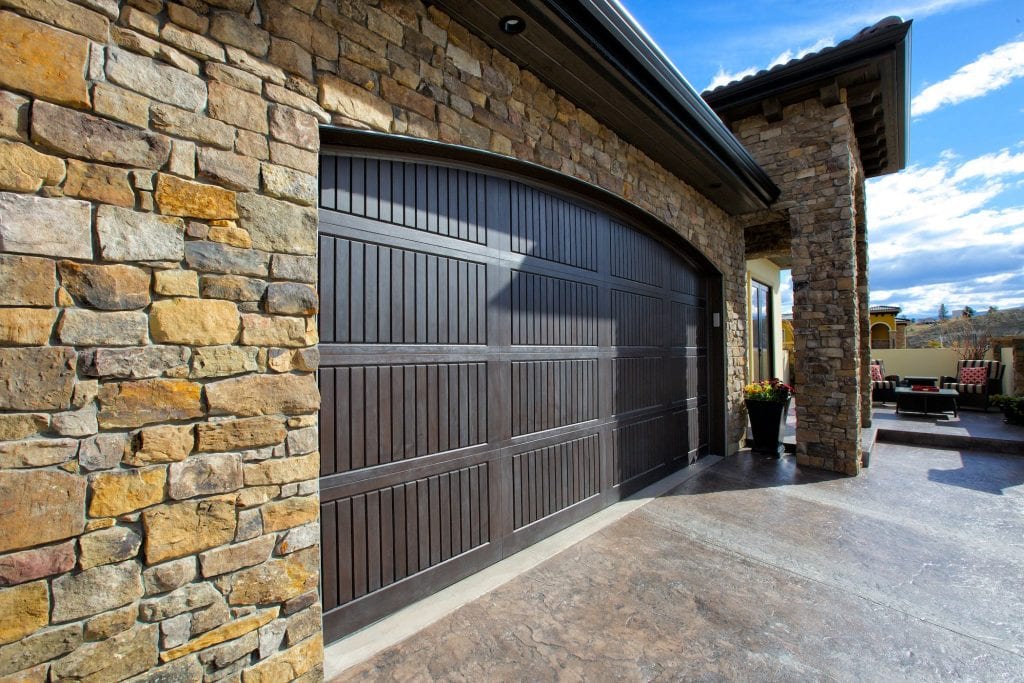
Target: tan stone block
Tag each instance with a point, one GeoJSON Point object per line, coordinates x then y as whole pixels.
{"type": "Point", "coordinates": [235, 435]}
{"type": "Point", "coordinates": [291, 57]}
{"type": "Point", "coordinates": [15, 427]}
{"type": "Point", "coordinates": [107, 546]}
{"type": "Point", "coordinates": [178, 197]}
{"type": "Point", "coordinates": [236, 78]}
{"type": "Point", "coordinates": [238, 556]}
{"type": "Point", "coordinates": [192, 43]}
{"type": "Point", "coordinates": [162, 444]}
{"type": "Point", "coordinates": [176, 283]}
{"type": "Point", "coordinates": [156, 79]}
{"type": "Point", "coordinates": [44, 61]}
{"type": "Point", "coordinates": [294, 100]}
{"type": "Point", "coordinates": [111, 623]}
{"type": "Point", "coordinates": [37, 674]}
{"type": "Point", "coordinates": [26, 326]}
{"type": "Point", "coordinates": [290, 512]}
{"type": "Point", "coordinates": [126, 235]}
{"type": "Point", "coordinates": [108, 288]}
{"type": "Point", "coordinates": [253, 395]}
{"type": "Point", "coordinates": [354, 102]}
{"type": "Point", "coordinates": [229, 631]}
{"type": "Point", "coordinates": [252, 496]}
{"type": "Point", "coordinates": [187, 124]}
{"type": "Point", "coordinates": [243, 60]}
{"type": "Point", "coordinates": [83, 135]}
{"type": "Point", "coordinates": [221, 361]}
{"type": "Point", "coordinates": [274, 330]}
{"type": "Point", "coordinates": [289, 184]}
{"type": "Point", "coordinates": [227, 232]}
{"type": "Point", "coordinates": [203, 475]}
{"type": "Point", "coordinates": [179, 529]}
{"type": "Point", "coordinates": [235, 171]}
{"type": "Point", "coordinates": [106, 184]}
{"type": "Point", "coordinates": [186, 17]}
{"type": "Point", "coordinates": [236, 30]}
{"type": "Point", "coordinates": [14, 116]}
{"type": "Point", "coordinates": [133, 404]}
{"type": "Point", "coordinates": [38, 452]}
{"type": "Point", "coordinates": [118, 492]}
{"type": "Point", "coordinates": [288, 665]}
{"type": "Point", "coordinates": [115, 659]}
{"type": "Point", "coordinates": [238, 107]}
{"type": "Point", "coordinates": [24, 610]}
{"type": "Point", "coordinates": [276, 580]}
{"type": "Point", "coordinates": [26, 280]}
{"type": "Point", "coordinates": [252, 145]}
{"type": "Point", "coordinates": [200, 322]}
{"type": "Point", "coordinates": [293, 157]}
{"type": "Point", "coordinates": [45, 226]}
{"type": "Point", "coordinates": [278, 226]}
{"type": "Point", "coordinates": [81, 327]}
{"type": "Point", "coordinates": [23, 169]}
{"type": "Point", "coordinates": [282, 470]}
{"type": "Point", "coordinates": [40, 506]}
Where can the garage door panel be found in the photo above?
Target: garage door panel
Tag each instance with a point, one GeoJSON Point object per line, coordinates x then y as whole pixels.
{"type": "Point", "coordinates": [638, 448]}
{"type": "Point", "coordinates": [547, 480]}
{"type": "Point", "coordinates": [429, 198]}
{"type": "Point", "coordinates": [497, 362]}
{"type": "Point", "coordinates": [636, 319]}
{"type": "Point", "coordinates": [635, 256]}
{"type": "Point", "coordinates": [553, 393]}
{"type": "Point", "coordinates": [553, 311]}
{"type": "Point", "coordinates": [389, 534]}
{"type": "Point", "coordinates": [386, 413]}
{"type": "Point", "coordinates": [386, 295]}
{"type": "Point", "coordinates": [553, 229]}
{"type": "Point", "coordinates": [638, 382]}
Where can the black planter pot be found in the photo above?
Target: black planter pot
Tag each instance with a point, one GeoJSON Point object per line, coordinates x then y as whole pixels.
{"type": "Point", "coordinates": [768, 424]}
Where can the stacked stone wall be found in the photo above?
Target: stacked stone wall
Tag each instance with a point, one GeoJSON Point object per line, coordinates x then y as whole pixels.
{"type": "Point", "coordinates": [158, 428]}
{"type": "Point", "coordinates": [811, 153]}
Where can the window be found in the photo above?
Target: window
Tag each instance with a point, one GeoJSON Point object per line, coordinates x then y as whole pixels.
{"type": "Point", "coordinates": [761, 331]}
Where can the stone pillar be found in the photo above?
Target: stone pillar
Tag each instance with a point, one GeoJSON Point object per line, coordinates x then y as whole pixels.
{"type": "Point", "coordinates": [811, 153]}
{"type": "Point", "coordinates": [864, 317]}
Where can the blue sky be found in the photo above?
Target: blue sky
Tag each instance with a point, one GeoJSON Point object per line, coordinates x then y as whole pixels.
{"type": "Point", "coordinates": [950, 227]}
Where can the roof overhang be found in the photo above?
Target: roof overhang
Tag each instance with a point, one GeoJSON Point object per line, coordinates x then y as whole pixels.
{"type": "Point", "coordinates": [594, 53]}
{"type": "Point", "coordinates": [871, 68]}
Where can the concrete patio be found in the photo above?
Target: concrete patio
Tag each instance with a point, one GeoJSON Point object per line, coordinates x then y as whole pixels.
{"type": "Point", "coordinates": [754, 569]}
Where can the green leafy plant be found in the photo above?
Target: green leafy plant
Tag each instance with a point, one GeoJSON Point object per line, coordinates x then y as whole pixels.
{"type": "Point", "coordinates": [773, 390]}
{"type": "Point", "coordinates": [1012, 407]}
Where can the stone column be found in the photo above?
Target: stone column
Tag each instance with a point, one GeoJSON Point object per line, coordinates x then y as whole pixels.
{"type": "Point", "coordinates": [864, 317]}
{"type": "Point", "coordinates": [826, 319]}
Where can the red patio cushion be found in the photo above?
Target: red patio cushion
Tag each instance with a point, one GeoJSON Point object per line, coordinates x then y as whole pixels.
{"type": "Point", "coordinates": [876, 373]}
{"type": "Point", "coordinates": [973, 375]}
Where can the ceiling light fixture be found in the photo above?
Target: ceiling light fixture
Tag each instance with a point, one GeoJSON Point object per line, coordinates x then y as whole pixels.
{"type": "Point", "coordinates": [512, 24]}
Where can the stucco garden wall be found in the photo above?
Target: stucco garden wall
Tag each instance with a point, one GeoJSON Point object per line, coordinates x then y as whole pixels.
{"type": "Point", "coordinates": [158, 429]}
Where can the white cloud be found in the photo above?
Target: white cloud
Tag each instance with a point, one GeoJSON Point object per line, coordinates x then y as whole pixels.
{"type": "Point", "coordinates": [991, 71]}
{"type": "Point", "coordinates": [948, 233]}
{"type": "Point", "coordinates": [722, 77]}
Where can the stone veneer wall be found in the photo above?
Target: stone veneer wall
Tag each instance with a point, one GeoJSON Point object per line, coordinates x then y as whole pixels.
{"type": "Point", "coordinates": [158, 429]}
{"type": "Point", "coordinates": [811, 153]}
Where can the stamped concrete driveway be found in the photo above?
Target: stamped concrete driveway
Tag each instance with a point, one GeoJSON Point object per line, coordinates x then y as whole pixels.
{"type": "Point", "coordinates": [756, 570]}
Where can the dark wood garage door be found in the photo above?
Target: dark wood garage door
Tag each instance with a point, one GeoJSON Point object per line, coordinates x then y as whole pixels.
{"type": "Point", "coordinates": [497, 362]}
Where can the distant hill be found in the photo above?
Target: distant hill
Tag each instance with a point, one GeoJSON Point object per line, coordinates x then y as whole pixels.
{"type": "Point", "coordinates": [998, 324]}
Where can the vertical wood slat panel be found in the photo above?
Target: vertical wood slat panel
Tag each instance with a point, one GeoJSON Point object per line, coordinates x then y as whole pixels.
{"type": "Point", "coordinates": [550, 479]}
{"type": "Point", "coordinates": [541, 305]}
{"type": "Point", "coordinates": [542, 224]}
{"type": "Point", "coordinates": [439, 200]}
{"type": "Point", "coordinates": [376, 414]}
{"type": "Point", "coordinates": [382, 295]}
{"type": "Point", "coordinates": [549, 394]}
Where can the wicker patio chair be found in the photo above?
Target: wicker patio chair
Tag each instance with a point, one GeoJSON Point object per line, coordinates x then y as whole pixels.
{"type": "Point", "coordinates": [883, 386]}
{"type": "Point", "coordinates": [976, 387]}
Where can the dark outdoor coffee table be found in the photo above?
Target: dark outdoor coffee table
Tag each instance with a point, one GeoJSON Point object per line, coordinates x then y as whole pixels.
{"type": "Point", "coordinates": [941, 401]}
